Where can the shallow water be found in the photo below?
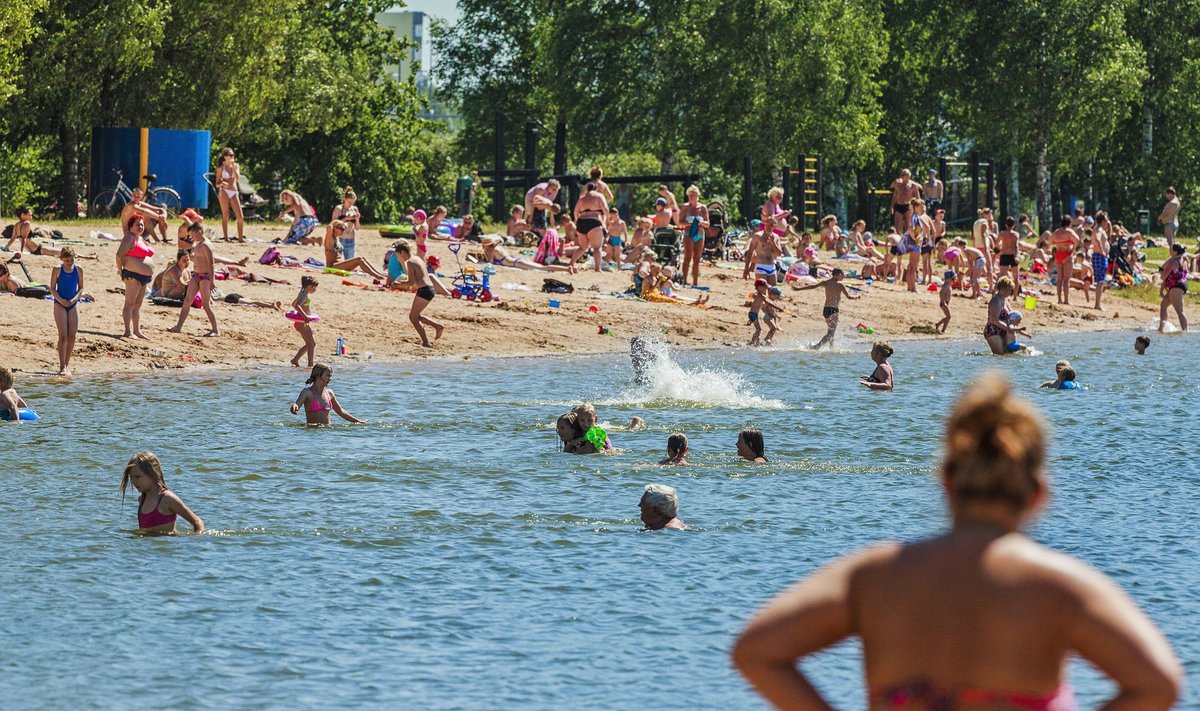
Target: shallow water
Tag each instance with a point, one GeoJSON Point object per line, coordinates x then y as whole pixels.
{"type": "Point", "coordinates": [448, 555]}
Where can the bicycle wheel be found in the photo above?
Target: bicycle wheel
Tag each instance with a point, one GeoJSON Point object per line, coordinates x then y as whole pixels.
{"type": "Point", "coordinates": [107, 204]}
{"type": "Point", "coordinates": [168, 199]}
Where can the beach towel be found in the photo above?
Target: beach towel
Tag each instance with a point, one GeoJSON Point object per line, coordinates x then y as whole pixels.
{"type": "Point", "coordinates": [548, 246]}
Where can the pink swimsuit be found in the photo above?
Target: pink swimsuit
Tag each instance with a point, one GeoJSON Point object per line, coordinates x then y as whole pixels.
{"type": "Point", "coordinates": [154, 519]}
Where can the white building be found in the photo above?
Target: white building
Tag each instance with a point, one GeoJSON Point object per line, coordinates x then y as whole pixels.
{"type": "Point", "coordinates": [413, 27]}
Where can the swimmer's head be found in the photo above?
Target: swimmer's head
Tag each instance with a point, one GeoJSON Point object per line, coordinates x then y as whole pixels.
{"type": "Point", "coordinates": [568, 427]}
{"type": "Point", "coordinates": [1140, 344]}
{"type": "Point", "coordinates": [994, 448]}
{"type": "Point", "coordinates": [320, 371]}
{"type": "Point", "coordinates": [659, 505]}
{"type": "Point", "coordinates": [677, 445]}
{"type": "Point", "coordinates": [750, 444]}
{"type": "Point", "coordinates": [586, 415]}
{"type": "Point", "coordinates": [637, 423]}
{"type": "Point", "coordinates": [1067, 374]}
{"type": "Point", "coordinates": [882, 348]}
{"type": "Point", "coordinates": [142, 470]}
{"type": "Point", "coordinates": [6, 378]}
{"type": "Point", "coordinates": [1061, 365]}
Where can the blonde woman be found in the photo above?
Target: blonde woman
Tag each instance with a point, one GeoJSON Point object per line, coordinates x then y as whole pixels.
{"type": "Point", "coordinates": [304, 218]}
{"type": "Point", "coordinates": [227, 176]}
{"type": "Point", "coordinates": [978, 617]}
{"type": "Point", "coordinates": [693, 219]}
{"type": "Point", "coordinates": [773, 212]}
{"type": "Point", "coordinates": [349, 214]}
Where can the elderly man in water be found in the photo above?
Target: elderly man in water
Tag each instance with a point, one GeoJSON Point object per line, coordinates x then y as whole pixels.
{"type": "Point", "coordinates": [659, 505]}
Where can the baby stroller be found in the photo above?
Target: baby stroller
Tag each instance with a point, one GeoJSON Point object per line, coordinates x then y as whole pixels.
{"type": "Point", "coordinates": [716, 239]}
{"type": "Point", "coordinates": [666, 246]}
{"type": "Point", "coordinates": [252, 202]}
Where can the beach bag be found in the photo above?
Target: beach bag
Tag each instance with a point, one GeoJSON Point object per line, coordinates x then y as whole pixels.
{"type": "Point", "coordinates": [34, 292]}
{"type": "Point", "coordinates": [554, 286]}
{"type": "Point", "coordinates": [270, 256]}
{"type": "Point", "coordinates": [547, 250]}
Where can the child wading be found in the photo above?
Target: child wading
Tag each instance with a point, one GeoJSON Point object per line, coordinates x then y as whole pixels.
{"type": "Point", "coordinates": [420, 282]}
{"type": "Point", "coordinates": [944, 295]}
{"type": "Point", "coordinates": [760, 301]}
{"type": "Point", "coordinates": [157, 506]}
{"type": "Point", "coordinates": [834, 291]}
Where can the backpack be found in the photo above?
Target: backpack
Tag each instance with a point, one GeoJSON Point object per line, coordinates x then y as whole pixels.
{"type": "Point", "coordinates": [270, 256]}
{"type": "Point", "coordinates": [554, 286]}
{"type": "Point", "coordinates": [547, 250]}
{"type": "Point", "coordinates": [34, 292]}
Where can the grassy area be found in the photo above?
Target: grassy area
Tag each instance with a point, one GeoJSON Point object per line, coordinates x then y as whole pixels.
{"type": "Point", "coordinates": [1148, 293]}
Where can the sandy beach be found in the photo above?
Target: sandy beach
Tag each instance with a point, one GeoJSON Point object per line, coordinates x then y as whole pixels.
{"type": "Point", "coordinates": [520, 322]}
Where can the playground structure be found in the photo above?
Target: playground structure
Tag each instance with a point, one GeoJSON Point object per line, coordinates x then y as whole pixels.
{"type": "Point", "coordinates": [501, 178]}
{"type": "Point", "coordinates": [961, 194]}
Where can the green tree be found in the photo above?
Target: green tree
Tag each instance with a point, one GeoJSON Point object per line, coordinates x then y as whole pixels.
{"type": "Point", "coordinates": [1052, 79]}
{"type": "Point", "coordinates": [17, 28]}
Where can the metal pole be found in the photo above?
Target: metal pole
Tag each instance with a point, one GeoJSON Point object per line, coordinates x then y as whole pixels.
{"type": "Point", "coordinates": [498, 189]}
{"type": "Point", "coordinates": [560, 148]}
{"type": "Point", "coordinates": [787, 185]}
{"type": "Point", "coordinates": [531, 139]}
{"type": "Point", "coordinates": [802, 193]}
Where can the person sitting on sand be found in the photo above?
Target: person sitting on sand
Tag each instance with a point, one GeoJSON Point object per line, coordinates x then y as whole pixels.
{"type": "Point", "coordinates": [331, 261]}
{"type": "Point", "coordinates": [317, 400]}
{"type": "Point", "coordinates": [977, 617]}
{"type": "Point", "coordinates": [10, 402]}
{"type": "Point", "coordinates": [653, 284]}
{"type": "Point", "coordinates": [250, 277]}
{"type": "Point", "coordinates": [750, 446]}
{"type": "Point", "coordinates": [22, 234]}
{"type": "Point", "coordinates": [302, 216]}
{"type": "Point", "coordinates": [8, 282]}
{"type": "Point", "coordinates": [641, 242]}
{"type": "Point", "coordinates": [517, 227]}
{"type": "Point", "coordinates": [172, 282]}
{"type": "Point", "coordinates": [677, 449]}
{"type": "Point", "coordinates": [660, 508]}
{"type": "Point", "coordinates": [494, 254]}
{"type": "Point", "coordinates": [881, 378]}
{"type": "Point", "coordinates": [155, 216]}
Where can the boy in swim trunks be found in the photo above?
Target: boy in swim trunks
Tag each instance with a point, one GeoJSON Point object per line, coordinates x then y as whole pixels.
{"type": "Point", "coordinates": [757, 304]}
{"type": "Point", "coordinates": [202, 279]}
{"type": "Point", "coordinates": [418, 281]}
{"type": "Point", "coordinates": [834, 291]}
{"type": "Point", "coordinates": [616, 237]}
{"type": "Point", "coordinates": [762, 250]}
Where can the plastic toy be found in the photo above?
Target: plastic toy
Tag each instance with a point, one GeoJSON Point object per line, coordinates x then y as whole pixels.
{"type": "Point", "coordinates": [468, 284]}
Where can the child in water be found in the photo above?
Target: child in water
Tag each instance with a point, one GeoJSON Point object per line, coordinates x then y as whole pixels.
{"type": "Point", "coordinates": [1065, 379]}
{"type": "Point", "coordinates": [303, 315]}
{"type": "Point", "coordinates": [944, 295]}
{"type": "Point", "coordinates": [750, 446]}
{"type": "Point", "coordinates": [1140, 344]}
{"type": "Point", "coordinates": [881, 379]}
{"type": "Point", "coordinates": [834, 291]}
{"type": "Point", "coordinates": [68, 290]}
{"type": "Point", "coordinates": [758, 303]}
{"type": "Point", "coordinates": [771, 311]}
{"type": "Point", "coordinates": [157, 506]}
{"type": "Point", "coordinates": [10, 402]}
{"type": "Point", "coordinates": [677, 449]}
{"type": "Point", "coordinates": [314, 402]}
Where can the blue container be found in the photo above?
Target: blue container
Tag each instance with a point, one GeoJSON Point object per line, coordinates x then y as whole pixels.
{"type": "Point", "coordinates": [179, 159]}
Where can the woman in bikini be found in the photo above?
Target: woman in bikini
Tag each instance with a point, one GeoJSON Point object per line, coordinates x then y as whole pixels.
{"type": "Point", "coordinates": [1174, 286]}
{"type": "Point", "coordinates": [998, 332]}
{"type": "Point", "coordinates": [494, 254]}
{"type": "Point", "coordinates": [228, 174]}
{"type": "Point", "coordinates": [1064, 241]}
{"type": "Point", "coordinates": [135, 268]}
{"type": "Point", "coordinates": [317, 400]}
{"type": "Point", "coordinates": [693, 217]}
{"type": "Point", "coordinates": [172, 282]}
{"type": "Point", "coordinates": [591, 216]}
{"type": "Point", "coordinates": [978, 617]}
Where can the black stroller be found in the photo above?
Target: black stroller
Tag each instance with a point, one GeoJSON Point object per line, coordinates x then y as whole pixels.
{"type": "Point", "coordinates": [666, 246]}
{"type": "Point", "coordinates": [252, 202]}
{"type": "Point", "coordinates": [716, 237]}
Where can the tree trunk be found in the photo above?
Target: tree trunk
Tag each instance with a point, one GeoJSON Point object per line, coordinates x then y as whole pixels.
{"type": "Point", "coordinates": [69, 195]}
{"type": "Point", "coordinates": [1043, 183]}
{"type": "Point", "coordinates": [1014, 186]}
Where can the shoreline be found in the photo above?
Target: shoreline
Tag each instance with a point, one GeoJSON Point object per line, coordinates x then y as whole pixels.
{"type": "Point", "coordinates": [521, 323]}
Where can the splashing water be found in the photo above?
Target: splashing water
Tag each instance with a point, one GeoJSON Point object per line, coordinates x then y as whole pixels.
{"type": "Point", "coordinates": [665, 382]}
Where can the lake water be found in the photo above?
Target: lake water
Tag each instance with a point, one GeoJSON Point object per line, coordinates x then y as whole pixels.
{"type": "Point", "coordinates": [447, 555]}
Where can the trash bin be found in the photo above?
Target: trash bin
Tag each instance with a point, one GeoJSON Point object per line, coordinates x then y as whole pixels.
{"type": "Point", "coordinates": [1144, 222]}
{"type": "Point", "coordinates": [462, 194]}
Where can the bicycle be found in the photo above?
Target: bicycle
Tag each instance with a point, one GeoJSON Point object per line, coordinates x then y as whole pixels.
{"type": "Point", "coordinates": [110, 202]}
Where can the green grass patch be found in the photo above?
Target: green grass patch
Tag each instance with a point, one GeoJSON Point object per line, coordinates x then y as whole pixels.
{"type": "Point", "coordinates": [1149, 294]}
